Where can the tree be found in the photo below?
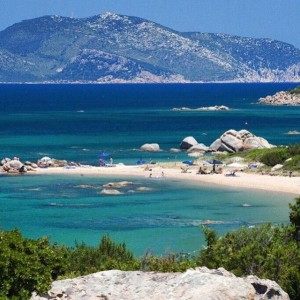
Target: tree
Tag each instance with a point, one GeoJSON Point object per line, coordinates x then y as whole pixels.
{"type": "Point", "coordinates": [295, 217]}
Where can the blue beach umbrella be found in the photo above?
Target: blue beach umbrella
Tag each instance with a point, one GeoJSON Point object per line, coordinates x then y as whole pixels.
{"type": "Point", "coordinates": [188, 162]}
{"type": "Point", "coordinates": [214, 162]}
{"type": "Point", "coordinates": [103, 155]}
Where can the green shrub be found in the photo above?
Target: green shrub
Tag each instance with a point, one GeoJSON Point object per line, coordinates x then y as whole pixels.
{"type": "Point", "coordinates": [172, 262]}
{"type": "Point", "coordinates": [293, 164]}
{"type": "Point", "coordinates": [295, 90]}
{"type": "Point", "coordinates": [107, 256]}
{"type": "Point", "coordinates": [28, 265]}
{"type": "Point", "coordinates": [274, 157]}
{"type": "Point", "coordinates": [294, 149]}
{"type": "Point", "coordinates": [265, 251]}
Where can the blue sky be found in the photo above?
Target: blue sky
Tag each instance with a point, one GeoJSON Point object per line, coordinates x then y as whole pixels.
{"type": "Point", "coordinates": [275, 19]}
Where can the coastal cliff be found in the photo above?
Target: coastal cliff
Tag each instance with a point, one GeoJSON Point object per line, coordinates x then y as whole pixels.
{"type": "Point", "coordinates": [291, 98]}
{"type": "Point", "coordinates": [200, 283]}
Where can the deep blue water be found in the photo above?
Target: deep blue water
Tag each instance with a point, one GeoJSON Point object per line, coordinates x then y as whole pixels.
{"type": "Point", "coordinates": [77, 122]}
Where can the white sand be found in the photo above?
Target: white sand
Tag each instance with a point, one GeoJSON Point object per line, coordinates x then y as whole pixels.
{"type": "Point", "coordinates": [242, 180]}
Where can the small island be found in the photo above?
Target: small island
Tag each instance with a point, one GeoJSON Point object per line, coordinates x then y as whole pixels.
{"type": "Point", "coordinates": [290, 97]}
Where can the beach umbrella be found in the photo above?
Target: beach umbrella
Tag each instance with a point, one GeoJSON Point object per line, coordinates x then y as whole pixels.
{"type": "Point", "coordinates": [140, 162]}
{"type": "Point", "coordinates": [188, 162]}
{"type": "Point", "coordinates": [103, 155]}
{"type": "Point", "coordinates": [214, 162]}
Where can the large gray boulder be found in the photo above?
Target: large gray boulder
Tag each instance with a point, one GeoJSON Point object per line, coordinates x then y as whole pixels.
{"type": "Point", "coordinates": [188, 142]}
{"type": "Point", "coordinates": [236, 141]}
{"type": "Point", "coordinates": [200, 283]}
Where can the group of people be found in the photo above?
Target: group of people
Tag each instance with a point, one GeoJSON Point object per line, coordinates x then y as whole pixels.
{"type": "Point", "coordinates": [103, 163]}
{"type": "Point", "coordinates": [213, 171]}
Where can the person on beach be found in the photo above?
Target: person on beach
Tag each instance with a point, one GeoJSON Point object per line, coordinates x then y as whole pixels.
{"type": "Point", "coordinates": [214, 166]}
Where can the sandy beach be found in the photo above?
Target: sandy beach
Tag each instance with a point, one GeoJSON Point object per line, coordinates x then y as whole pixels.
{"type": "Point", "coordinates": [283, 184]}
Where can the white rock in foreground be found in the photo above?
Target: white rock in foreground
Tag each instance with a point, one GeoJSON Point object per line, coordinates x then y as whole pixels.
{"type": "Point", "coordinates": [200, 283]}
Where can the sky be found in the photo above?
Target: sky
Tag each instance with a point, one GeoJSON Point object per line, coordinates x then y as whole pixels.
{"type": "Point", "coordinates": [275, 19]}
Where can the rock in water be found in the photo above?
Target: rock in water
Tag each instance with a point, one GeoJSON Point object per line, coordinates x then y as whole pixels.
{"type": "Point", "coordinates": [150, 147]}
{"type": "Point", "coordinates": [200, 283]}
{"type": "Point", "coordinates": [188, 142]}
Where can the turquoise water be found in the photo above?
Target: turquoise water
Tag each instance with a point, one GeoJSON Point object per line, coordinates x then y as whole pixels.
{"type": "Point", "coordinates": [77, 122]}
{"type": "Point", "coordinates": [166, 217]}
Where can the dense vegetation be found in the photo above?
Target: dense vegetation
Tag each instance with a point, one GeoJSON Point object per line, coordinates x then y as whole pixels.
{"type": "Point", "coordinates": [273, 252]}
{"type": "Point", "coordinates": [296, 90]}
{"type": "Point", "coordinates": [288, 156]}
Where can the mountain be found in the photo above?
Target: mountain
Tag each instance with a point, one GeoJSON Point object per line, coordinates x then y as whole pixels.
{"type": "Point", "coordinates": [116, 48]}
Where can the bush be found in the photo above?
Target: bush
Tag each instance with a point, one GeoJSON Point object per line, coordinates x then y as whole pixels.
{"type": "Point", "coordinates": [295, 90]}
{"type": "Point", "coordinates": [265, 251]}
{"type": "Point", "coordinates": [170, 263]}
{"type": "Point", "coordinates": [28, 265]}
{"type": "Point", "coordinates": [107, 256]}
{"type": "Point", "coordinates": [294, 149]}
{"type": "Point", "coordinates": [274, 157]}
{"type": "Point", "coordinates": [293, 164]}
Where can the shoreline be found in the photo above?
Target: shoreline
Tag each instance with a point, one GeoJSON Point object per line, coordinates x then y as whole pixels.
{"type": "Point", "coordinates": [284, 184]}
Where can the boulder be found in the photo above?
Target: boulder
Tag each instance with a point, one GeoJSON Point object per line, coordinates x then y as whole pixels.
{"type": "Point", "coordinates": [14, 165]}
{"type": "Point", "coordinates": [277, 167]}
{"type": "Point", "coordinates": [257, 143]}
{"type": "Point", "coordinates": [236, 141]}
{"type": "Point", "coordinates": [199, 283]}
{"type": "Point", "coordinates": [188, 142]}
{"type": "Point", "coordinates": [198, 148]}
{"type": "Point", "coordinates": [117, 184]}
{"type": "Point", "coordinates": [150, 147]}
{"type": "Point", "coordinates": [51, 162]}
{"type": "Point", "coordinates": [110, 192]}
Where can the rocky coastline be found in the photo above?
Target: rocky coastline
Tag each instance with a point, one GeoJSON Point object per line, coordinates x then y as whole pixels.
{"type": "Point", "coordinates": [282, 98]}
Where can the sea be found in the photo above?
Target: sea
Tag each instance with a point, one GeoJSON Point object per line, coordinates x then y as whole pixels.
{"type": "Point", "coordinates": [79, 122]}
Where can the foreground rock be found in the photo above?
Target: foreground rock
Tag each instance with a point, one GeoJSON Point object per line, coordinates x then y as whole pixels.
{"type": "Point", "coordinates": [281, 98]}
{"type": "Point", "coordinates": [235, 141]}
{"type": "Point", "coordinates": [205, 108]}
{"type": "Point", "coordinates": [200, 283]}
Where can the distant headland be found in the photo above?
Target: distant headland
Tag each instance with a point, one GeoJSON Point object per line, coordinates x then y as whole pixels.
{"type": "Point", "coordinates": [291, 97]}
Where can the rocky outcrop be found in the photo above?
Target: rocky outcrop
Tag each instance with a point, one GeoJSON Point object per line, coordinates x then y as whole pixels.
{"type": "Point", "coordinates": [150, 147]}
{"type": "Point", "coordinates": [281, 98]}
{"type": "Point", "coordinates": [110, 192]}
{"type": "Point", "coordinates": [200, 283]}
{"type": "Point", "coordinates": [117, 185]}
{"type": "Point", "coordinates": [235, 141]}
{"type": "Point", "coordinates": [46, 162]}
{"type": "Point", "coordinates": [16, 166]}
{"type": "Point", "coordinates": [205, 108]}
